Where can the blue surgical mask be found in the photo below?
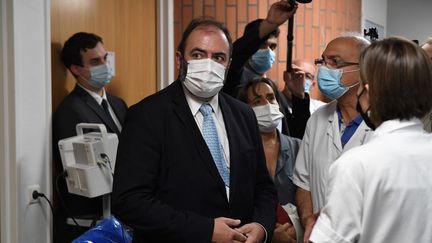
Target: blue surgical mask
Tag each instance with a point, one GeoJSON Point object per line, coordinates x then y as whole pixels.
{"type": "Point", "coordinates": [262, 60]}
{"type": "Point", "coordinates": [329, 82]}
{"type": "Point", "coordinates": [100, 75]}
{"type": "Point", "coordinates": [307, 85]}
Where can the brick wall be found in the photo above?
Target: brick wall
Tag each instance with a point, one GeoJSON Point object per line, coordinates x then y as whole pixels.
{"type": "Point", "coordinates": [315, 24]}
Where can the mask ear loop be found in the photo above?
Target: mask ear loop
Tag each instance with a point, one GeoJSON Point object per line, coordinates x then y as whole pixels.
{"type": "Point", "coordinates": [349, 87]}
{"type": "Point", "coordinates": [81, 76]}
{"type": "Point", "coordinates": [350, 71]}
{"type": "Point", "coordinates": [367, 112]}
{"type": "Point", "coordinates": [183, 69]}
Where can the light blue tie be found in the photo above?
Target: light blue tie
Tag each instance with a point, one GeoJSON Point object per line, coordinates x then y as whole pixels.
{"type": "Point", "coordinates": [212, 140]}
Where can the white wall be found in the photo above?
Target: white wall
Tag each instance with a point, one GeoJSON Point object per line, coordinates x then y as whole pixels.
{"type": "Point", "coordinates": [411, 19]}
{"type": "Point", "coordinates": [25, 119]}
{"type": "Point", "coordinates": [165, 34]}
{"type": "Point", "coordinates": [375, 11]}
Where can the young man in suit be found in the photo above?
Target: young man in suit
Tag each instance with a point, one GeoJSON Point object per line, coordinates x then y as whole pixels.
{"type": "Point", "coordinates": [86, 58]}
{"type": "Point", "coordinates": [190, 165]}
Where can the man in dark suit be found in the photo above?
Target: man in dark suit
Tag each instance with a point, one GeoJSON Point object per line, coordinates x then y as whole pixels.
{"type": "Point", "coordinates": [190, 165]}
{"type": "Point", "coordinates": [86, 58]}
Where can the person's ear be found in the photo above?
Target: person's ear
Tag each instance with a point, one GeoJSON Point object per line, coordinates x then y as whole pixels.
{"type": "Point", "coordinates": [179, 57]}
{"type": "Point", "coordinates": [229, 63]}
{"type": "Point", "coordinates": [366, 86]}
{"type": "Point", "coordinates": [75, 69]}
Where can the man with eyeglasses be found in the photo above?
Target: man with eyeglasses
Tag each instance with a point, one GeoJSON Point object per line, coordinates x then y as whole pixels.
{"type": "Point", "coordinates": [331, 130]}
{"type": "Point", "coordinates": [304, 71]}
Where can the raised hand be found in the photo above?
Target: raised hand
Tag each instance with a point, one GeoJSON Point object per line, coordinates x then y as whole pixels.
{"type": "Point", "coordinates": [279, 12]}
{"type": "Point", "coordinates": [294, 81]}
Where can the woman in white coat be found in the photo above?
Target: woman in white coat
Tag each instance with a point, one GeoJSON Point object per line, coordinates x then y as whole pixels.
{"type": "Point", "coordinates": [382, 191]}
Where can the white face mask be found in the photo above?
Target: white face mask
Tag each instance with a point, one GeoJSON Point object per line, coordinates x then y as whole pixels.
{"type": "Point", "coordinates": [268, 116]}
{"type": "Point", "coordinates": [204, 77]}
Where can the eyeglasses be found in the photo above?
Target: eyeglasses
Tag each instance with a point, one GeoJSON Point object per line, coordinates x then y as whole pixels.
{"type": "Point", "coordinates": [334, 63]}
{"type": "Point", "coordinates": [309, 76]}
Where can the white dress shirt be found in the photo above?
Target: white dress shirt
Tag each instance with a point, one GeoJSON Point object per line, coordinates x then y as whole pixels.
{"type": "Point", "coordinates": [99, 99]}
{"type": "Point", "coordinates": [194, 105]}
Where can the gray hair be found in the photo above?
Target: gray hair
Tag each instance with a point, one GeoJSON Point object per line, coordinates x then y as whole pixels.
{"type": "Point", "coordinates": [362, 42]}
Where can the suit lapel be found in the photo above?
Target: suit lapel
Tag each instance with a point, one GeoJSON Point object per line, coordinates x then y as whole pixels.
{"type": "Point", "coordinates": [359, 137]}
{"type": "Point", "coordinates": [333, 131]}
{"type": "Point", "coordinates": [91, 102]}
{"type": "Point", "coordinates": [183, 112]}
{"type": "Point", "coordinates": [118, 108]}
{"type": "Point", "coordinates": [283, 155]}
{"type": "Point", "coordinates": [231, 128]}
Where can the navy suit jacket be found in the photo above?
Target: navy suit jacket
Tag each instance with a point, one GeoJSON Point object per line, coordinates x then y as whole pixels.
{"type": "Point", "coordinates": [79, 106]}
{"type": "Point", "coordinates": [166, 184]}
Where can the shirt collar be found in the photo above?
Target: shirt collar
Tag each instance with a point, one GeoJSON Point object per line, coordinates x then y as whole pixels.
{"type": "Point", "coordinates": [357, 121]}
{"type": "Point", "coordinates": [283, 142]}
{"type": "Point", "coordinates": [394, 125]}
{"type": "Point", "coordinates": [95, 95]}
{"type": "Point", "coordinates": [194, 103]}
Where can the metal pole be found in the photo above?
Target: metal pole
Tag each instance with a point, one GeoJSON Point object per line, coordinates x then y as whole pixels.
{"type": "Point", "coordinates": [290, 38]}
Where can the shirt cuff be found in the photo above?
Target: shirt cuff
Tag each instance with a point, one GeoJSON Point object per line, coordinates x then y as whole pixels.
{"type": "Point", "coordinates": [322, 233]}
{"type": "Point", "coordinates": [299, 183]}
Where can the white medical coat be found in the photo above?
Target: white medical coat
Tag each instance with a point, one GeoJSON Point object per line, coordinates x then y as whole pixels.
{"type": "Point", "coordinates": [381, 191]}
{"type": "Point", "coordinates": [320, 147]}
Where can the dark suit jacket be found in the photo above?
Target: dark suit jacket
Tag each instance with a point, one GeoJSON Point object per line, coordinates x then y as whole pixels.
{"type": "Point", "coordinates": [298, 116]}
{"type": "Point", "coordinates": [77, 107]}
{"type": "Point", "coordinates": [293, 123]}
{"type": "Point", "coordinates": [166, 184]}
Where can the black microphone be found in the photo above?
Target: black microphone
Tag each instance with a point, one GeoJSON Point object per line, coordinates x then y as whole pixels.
{"type": "Point", "coordinates": [290, 36]}
{"type": "Point", "coordinates": [292, 3]}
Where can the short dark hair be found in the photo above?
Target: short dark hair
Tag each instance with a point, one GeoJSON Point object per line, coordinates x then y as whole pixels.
{"type": "Point", "coordinates": [81, 41]}
{"type": "Point", "coordinates": [399, 74]}
{"type": "Point", "coordinates": [255, 24]}
{"type": "Point", "coordinates": [203, 21]}
{"type": "Point", "coordinates": [253, 83]}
